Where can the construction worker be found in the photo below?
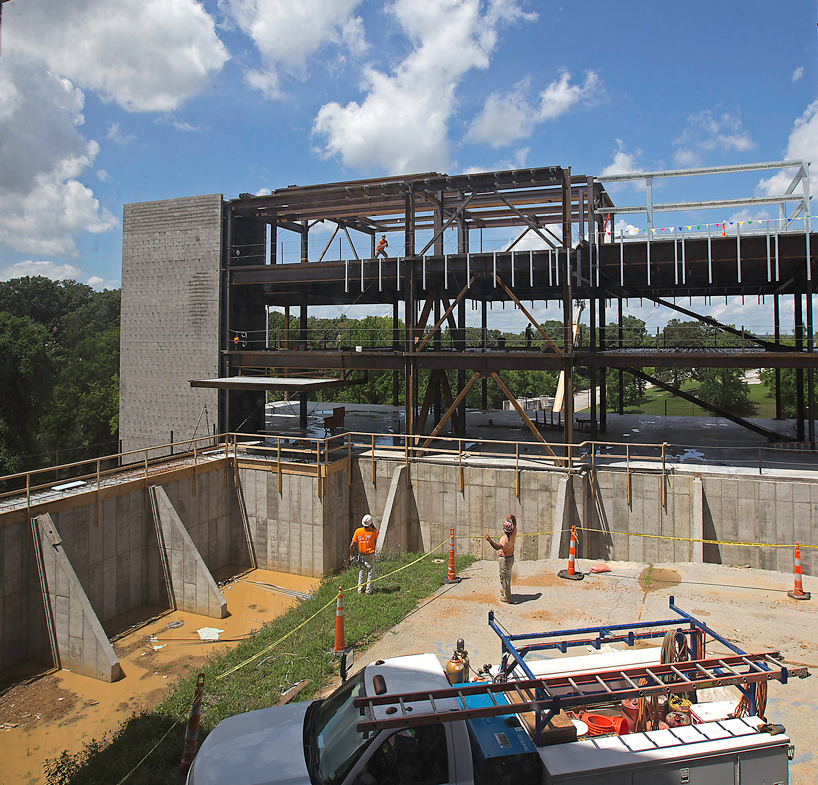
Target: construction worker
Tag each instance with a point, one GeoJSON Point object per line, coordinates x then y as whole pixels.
{"type": "Point", "coordinates": [506, 547]}
{"type": "Point", "coordinates": [365, 539]}
{"type": "Point", "coordinates": [382, 246]}
{"type": "Point", "coordinates": [528, 335]}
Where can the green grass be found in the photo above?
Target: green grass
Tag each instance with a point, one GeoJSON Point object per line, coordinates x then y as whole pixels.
{"type": "Point", "coordinates": [659, 402]}
{"type": "Point", "coordinates": [303, 655]}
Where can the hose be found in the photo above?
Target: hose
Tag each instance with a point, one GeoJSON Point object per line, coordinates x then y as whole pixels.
{"type": "Point", "coordinates": [674, 649]}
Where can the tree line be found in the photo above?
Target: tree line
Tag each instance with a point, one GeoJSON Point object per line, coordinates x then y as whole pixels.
{"type": "Point", "coordinates": [59, 378]}
{"type": "Point", "coordinates": [59, 381]}
{"type": "Point", "coordinates": [724, 387]}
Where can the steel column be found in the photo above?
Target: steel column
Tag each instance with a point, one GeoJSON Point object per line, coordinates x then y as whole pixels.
{"type": "Point", "coordinates": [567, 311]}
{"type": "Point", "coordinates": [777, 319]}
{"type": "Point", "coordinates": [799, 372]}
{"type": "Point", "coordinates": [484, 333]}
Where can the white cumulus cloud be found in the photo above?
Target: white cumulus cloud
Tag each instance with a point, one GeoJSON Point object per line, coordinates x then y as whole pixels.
{"type": "Point", "coordinates": [708, 131]}
{"type": "Point", "coordinates": [511, 116]}
{"type": "Point", "coordinates": [801, 145]}
{"type": "Point", "coordinates": [144, 55]}
{"type": "Point", "coordinates": [402, 124]}
{"type": "Point", "coordinates": [42, 156]}
{"type": "Point", "coordinates": [56, 272]}
{"type": "Point", "coordinates": [117, 136]}
{"type": "Point", "coordinates": [797, 73]}
{"type": "Point", "coordinates": [623, 162]}
{"type": "Point", "coordinates": [287, 34]}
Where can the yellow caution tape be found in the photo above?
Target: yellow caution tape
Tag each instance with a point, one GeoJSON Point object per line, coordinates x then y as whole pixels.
{"type": "Point", "coordinates": [666, 537]}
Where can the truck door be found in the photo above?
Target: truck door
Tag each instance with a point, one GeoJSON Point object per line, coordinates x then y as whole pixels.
{"type": "Point", "coordinates": [414, 756]}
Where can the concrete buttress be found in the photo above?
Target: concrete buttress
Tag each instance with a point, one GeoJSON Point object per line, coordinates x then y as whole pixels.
{"type": "Point", "coordinates": [190, 585]}
{"type": "Point", "coordinates": [78, 642]}
{"type": "Point", "coordinates": [561, 516]}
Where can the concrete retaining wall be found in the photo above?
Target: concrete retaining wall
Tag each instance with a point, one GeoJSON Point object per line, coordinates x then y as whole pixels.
{"type": "Point", "coordinates": [115, 560]}
{"type": "Point", "coordinates": [296, 530]}
{"type": "Point", "coordinates": [187, 582]}
{"type": "Point", "coordinates": [118, 566]}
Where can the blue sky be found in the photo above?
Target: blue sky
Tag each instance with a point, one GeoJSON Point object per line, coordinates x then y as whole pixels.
{"type": "Point", "coordinates": [106, 102]}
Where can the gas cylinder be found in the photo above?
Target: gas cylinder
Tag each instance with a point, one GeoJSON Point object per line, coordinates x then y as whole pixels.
{"type": "Point", "coordinates": [457, 668]}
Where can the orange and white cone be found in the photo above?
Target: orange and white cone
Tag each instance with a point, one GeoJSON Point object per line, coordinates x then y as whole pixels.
{"type": "Point", "coordinates": [572, 574]}
{"type": "Point", "coordinates": [450, 576]}
{"type": "Point", "coordinates": [192, 733]}
{"type": "Point", "coordinates": [339, 622]}
{"type": "Point", "coordinates": [798, 592]}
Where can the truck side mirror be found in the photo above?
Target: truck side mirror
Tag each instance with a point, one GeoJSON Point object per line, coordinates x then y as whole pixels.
{"type": "Point", "coordinates": [347, 661]}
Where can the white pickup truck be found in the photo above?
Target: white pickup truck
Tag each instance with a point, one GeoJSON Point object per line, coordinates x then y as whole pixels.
{"type": "Point", "coordinates": [400, 722]}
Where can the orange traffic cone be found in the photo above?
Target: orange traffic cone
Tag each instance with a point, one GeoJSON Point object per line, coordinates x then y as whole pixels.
{"type": "Point", "coordinates": [192, 734]}
{"type": "Point", "coordinates": [571, 573]}
{"type": "Point", "coordinates": [339, 622]}
{"type": "Point", "coordinates": [450, 576]}
{"type": "Point", "coordinates": [798, 592]}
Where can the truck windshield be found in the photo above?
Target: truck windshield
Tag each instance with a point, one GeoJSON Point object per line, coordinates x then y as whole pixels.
{"type": "Point", "coordinates": [339, 743]}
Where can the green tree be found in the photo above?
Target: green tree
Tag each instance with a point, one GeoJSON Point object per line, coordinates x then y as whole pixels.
{"type": "Point", "coordinates": [634, 334]}
{"type": "Point", "coordinates": [789, 386]}
{"type": "Point", "coordinates": [83, 415]}
{"type": "Point", "coordinates": [73, 333]}
{"type": "Point", "coordinates": [725, 387]}
{"type": "Point", "coordinates": [633, 389]}
{"type": "Point", "coordinates": [25, 384]}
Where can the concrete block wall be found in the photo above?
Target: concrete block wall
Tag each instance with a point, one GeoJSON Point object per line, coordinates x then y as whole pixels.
{"type": "Point", "coordinates": [607, 510]}
{"type": "Point", "coordinates": [171, 257]}
{"type": "Point", "coordinates": [22, 624]}
{"type": "Point", "coordinates": [488, 495]}
{"type": "Point", "coordinates": [294, 531]}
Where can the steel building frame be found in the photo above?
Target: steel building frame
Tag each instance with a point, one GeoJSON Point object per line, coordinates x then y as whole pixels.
{"type": "Point", "coordinates": [568, 214]}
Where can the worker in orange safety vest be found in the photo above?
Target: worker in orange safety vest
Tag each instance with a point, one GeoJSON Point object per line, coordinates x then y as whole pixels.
{"type": "Point", "coordinates": [365, 539]}
{"type": "Point", "coordinates": [382, 246]}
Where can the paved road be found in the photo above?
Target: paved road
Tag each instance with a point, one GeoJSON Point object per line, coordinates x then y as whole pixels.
{"type": "Point", "coordinates": [750, 607]}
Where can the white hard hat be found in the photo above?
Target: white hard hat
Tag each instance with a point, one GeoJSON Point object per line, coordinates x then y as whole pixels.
{"type": "Point", "coordinates": [367, 521]}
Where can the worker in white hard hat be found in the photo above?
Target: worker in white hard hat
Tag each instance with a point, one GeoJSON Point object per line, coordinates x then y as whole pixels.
{"type": "Point", "coordinates": [365, 539]}
{"type": "Point", "coordinates": [505, 545]}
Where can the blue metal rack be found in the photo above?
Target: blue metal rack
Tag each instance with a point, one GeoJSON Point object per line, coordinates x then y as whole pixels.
{"type": "Point", "coordinates": [547, 696]}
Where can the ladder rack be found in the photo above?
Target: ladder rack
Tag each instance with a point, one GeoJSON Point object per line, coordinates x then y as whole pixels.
{"type": "Point", "coordinates": [551, 694]}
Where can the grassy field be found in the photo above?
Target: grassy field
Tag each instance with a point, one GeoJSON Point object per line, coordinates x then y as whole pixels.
{"type": "Point", "coordinates": [303, 654]}
{"type": "Point", "coordinates": [659, 402]}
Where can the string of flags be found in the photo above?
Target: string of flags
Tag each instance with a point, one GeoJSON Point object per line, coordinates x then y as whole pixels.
{"type": "Point", "coordinates": [720, 226]}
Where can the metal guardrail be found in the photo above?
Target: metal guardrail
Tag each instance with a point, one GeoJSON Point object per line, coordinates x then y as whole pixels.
{"type": "Point", "coordinates": [321, 457]}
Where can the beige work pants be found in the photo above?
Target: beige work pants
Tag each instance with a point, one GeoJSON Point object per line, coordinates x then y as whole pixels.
{"type": "Point", "coordinates": [506, 563]}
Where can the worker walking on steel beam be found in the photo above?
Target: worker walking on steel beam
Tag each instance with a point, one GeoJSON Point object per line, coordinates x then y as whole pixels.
{"type": "Point", "coordinates": [382, 246]}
